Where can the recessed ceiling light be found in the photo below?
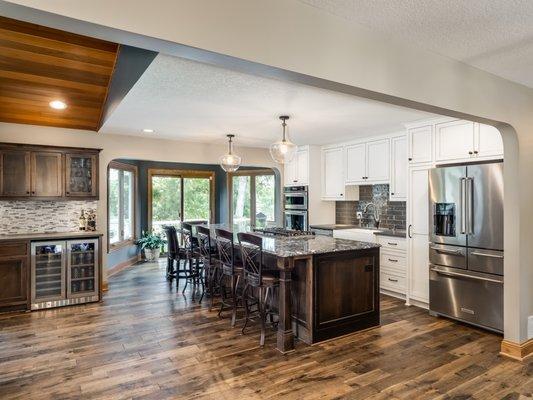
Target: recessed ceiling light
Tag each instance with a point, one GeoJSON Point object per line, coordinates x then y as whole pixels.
{"type": "Point", "coordinates": [148, 130]}
{"type": "Point", "coordinates": [58, 104]}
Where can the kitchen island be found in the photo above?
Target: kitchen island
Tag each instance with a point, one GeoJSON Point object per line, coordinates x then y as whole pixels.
{"type": "Point", "coordinates": [328, 287]}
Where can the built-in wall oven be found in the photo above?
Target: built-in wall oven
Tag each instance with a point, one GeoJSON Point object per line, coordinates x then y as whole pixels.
{"type": "Point", "coordinates": [295, 197]}
{"type": "Point", "coordinates": [295, 208]}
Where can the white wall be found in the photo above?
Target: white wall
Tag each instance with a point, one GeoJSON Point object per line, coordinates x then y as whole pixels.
{"type": "Point", "coordinates": [296, 37]}
{"type": "Point", "coordinates": [120, 146]}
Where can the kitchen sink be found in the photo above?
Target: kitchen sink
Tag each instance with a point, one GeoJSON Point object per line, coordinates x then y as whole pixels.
{"type": "Point", "coordinates": [361, 234]}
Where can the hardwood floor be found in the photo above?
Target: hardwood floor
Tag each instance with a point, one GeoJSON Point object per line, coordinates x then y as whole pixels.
{"type": "Point", "coordinates": [145, 341]}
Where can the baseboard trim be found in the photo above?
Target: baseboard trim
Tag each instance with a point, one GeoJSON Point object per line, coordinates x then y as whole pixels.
{"type": "Point", "coordinates": [517, 351]}
{"type": "Point", "coordinates": [122, 266]}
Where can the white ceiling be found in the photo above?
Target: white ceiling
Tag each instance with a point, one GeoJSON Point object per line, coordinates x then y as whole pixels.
{"type": "Point", "coordinates": [186, 100]}
{"type": "Point", "coordinates": [493, 35]}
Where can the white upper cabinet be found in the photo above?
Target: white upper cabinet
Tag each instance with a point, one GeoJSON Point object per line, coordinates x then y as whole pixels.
{"type": "Point", "coordinates": [297, 171]}
{"type": "Point", "coordinates": [368, 163]}
{"type": "Point", "coordinates": [487, 141]}
{"type": "Point", "coordinates": [378, 161]}
{"type": "Point", "coordinates": [421, 144]}
{"type": "Point", "coordinates": [398, 174]}
{"type": "Point", "coordinates": [454, 140]}
{"type": "Point", "coordinates": [356, 163]}
{"type": "Point", "coordinates": [333, 173]}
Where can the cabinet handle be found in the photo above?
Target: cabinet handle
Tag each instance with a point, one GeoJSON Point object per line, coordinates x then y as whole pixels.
{"type": "Point", "coordinates": [392, 260]}
{"type": "Point", "coordinates": [392, 243]}
{"type": "Point", "coordinates": [470, 152]}
{"type": "Point", "coordinates": [393, 280]}
{"type": "Point", "coordinates": [27, 192]}
{"type": "Point", "coordinates": [410, 159]}
{"type": "Point", "coordinates": [409, 231]}
{"type": "Point", "coordinates": [295, 181]}
{"type": "Point", "coordinates": [68, 192]}
{"type": "Point", "coordinates": [392, 194]}
{"type": "Point", "coordinates": [341, 194]}
{"type": "Point", "coordinates": [475, 151]}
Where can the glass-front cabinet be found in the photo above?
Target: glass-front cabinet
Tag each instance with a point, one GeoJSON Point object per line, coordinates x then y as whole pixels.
{"type": "Point", "coordinates": [82, 268]}
{"type": "Point", "coordinates": [81, 170]}
{"type": "Point", "coordinates": [64, 273]}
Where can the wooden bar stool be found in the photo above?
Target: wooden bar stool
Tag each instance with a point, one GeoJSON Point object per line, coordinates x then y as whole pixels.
{"type": "Point", "coordinates": [190, 244]}
{"type": "Point", "coordinates": [175, 254]}
{"type": "Point", "coordinates": [256, 279]}
{"type": "Point", "coordinates": [208, 255]}
{"type": "Point", "coordinates": [230, 270]}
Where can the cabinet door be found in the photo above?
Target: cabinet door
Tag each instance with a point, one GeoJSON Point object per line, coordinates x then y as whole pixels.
{"type": "Point", "coordinates": [418, 220]}
{"type": "Point", "coordinates": [82, 268]}
{"type": "Point", "coordinates": [356, 163]}
{"type": "Point", "coordinates": [421, 144]}
{"type": "Point", "coordinates": [290, 172]}
{"type": "Point", "coordinates": [333, 176]}
{"type": "Point", "coordinates": [302, 167]}
{"type": "Point", "coordinates": [81, 175]}
{"type": "Point", "coordinates": [13, 281]}
{"type": "Point", "coordinates": [15, 173]}
{"type": "Point", "coordinates": [454, 140]}
{"type": "Point", "coordinates": [398, 185]}
{"type": "Point", "coordinates": [378, 161]}
{"type": "Point", "coordinates": [46, 174]}
{"type": "Point", "coordinates": [488, 141]}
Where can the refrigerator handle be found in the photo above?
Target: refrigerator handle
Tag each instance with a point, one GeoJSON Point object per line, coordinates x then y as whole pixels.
{"type": "Point", "coordinates": [463, 206]}
{"type": "Point", "coordinates": [470, 205]}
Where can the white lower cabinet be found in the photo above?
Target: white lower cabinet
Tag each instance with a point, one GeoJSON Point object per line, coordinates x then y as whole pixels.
{"type": "Point", "coordinates": [419, 268]}
{"type": "Point", "coordinates": [393, 265]}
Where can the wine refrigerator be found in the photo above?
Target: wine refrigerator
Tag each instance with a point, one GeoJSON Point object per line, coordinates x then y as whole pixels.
{"type": "Point", "coordinates": [64, 273]}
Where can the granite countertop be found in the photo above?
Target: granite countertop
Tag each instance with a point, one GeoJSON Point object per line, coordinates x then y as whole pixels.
{"type": "Point", "coordinates": [50, 235]}
{"type": "Point", "coordinates": [282, 246]}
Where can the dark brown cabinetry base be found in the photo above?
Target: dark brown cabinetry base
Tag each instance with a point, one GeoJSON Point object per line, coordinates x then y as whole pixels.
{"type": "Point", "coordinates": [14, 276]}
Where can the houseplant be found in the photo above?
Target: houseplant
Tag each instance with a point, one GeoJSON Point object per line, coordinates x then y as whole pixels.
{"type": "Point", "coordinates": [151, 243]}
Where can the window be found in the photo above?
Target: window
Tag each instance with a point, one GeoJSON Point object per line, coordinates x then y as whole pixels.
{"type": "Point", "coordinates": [253, 198]}
{"type": "Point", "coordinates": [179, 195]}
{"type": "Point", "coordinates": [121, 193]}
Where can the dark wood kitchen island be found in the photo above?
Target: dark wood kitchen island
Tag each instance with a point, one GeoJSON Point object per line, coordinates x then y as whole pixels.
{"type": "Point", "coordinates": [328, 287]}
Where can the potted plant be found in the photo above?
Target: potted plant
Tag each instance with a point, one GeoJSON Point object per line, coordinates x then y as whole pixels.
{"type": "Point", "coordinates": [151, 243]}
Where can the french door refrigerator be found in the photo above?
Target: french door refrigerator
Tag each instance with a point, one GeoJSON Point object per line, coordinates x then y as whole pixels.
{"type": "Point", "coordinates": [466, 243]}
{"type": "Point", "coordinates": [64, 273]}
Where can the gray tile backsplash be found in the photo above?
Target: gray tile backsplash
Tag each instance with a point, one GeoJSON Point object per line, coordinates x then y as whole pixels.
{"type": "Point", "coordinates": [393, 214]}
{"type": "Point", "coordinates": [36, 216]}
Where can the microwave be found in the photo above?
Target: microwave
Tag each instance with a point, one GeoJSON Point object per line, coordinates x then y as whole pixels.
{"type": "Point", "coordinates": [295, 198]}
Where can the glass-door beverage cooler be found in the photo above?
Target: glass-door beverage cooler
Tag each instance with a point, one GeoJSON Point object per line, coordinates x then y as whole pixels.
{"type": "Point", "coordinates": [64, 273]}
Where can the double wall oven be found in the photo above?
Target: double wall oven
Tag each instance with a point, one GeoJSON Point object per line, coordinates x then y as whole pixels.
{"type": "Point", "coordinates": [295, 212]}
{"type": "Point", "coordinates": [466, 249]}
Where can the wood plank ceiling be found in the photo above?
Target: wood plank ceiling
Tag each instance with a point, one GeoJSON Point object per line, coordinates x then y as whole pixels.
{"type": "Point", "coordinates": [40, 64]}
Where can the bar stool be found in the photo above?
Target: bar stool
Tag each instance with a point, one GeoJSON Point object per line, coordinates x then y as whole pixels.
{"type": "Point", "coordinates": [208, 255]}
{"type": "Point", "coordinates": [255, 278]}
{"type": "Point", "coordinates": [230, 270]}
{"type": "Point", "coordinates": [175, 254]}
{"type": "Point", "coordinates": [190, 244]}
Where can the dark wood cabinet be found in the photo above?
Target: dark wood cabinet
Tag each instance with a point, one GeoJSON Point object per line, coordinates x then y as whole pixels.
{"type": "Point", "coordinates": [47, 172]}
{"type": "Point", "coordinates": [14, 278]}
{"type": "Point", "coordinates": [14, 173]}
{"type": "Point", "coordinates": [81, 175]}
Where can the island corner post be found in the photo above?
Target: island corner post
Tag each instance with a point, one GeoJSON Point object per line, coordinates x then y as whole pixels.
{"type": "Point", "coordinates": [285, 333]}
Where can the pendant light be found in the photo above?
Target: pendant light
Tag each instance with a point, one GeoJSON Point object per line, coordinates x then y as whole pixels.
{"type": "Point", "coordinates": [284, 150]}
{"type": "Point", "coordinates": [230, 162]}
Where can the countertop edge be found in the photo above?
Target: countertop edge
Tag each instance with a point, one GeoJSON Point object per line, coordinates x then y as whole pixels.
{"type": "Point", "coordinates": [49, 236]}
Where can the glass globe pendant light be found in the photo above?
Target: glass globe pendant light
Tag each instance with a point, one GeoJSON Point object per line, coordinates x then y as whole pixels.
{"type": "Point", "coordinates": [230, 162]}
{"type": "Point", "coordinates": [283, 151]}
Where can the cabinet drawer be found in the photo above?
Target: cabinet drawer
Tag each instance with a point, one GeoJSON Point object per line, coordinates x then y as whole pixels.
{"type": "Point", "coordinates": [392, 243]}
{"type": "Point", "coordinates": [392, 282]}
{"type": "Point", "coordinates": [393, 261]}
{"type": "Point", "coordinates": [13, 249]}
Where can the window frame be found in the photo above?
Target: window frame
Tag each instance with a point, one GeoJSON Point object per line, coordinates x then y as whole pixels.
{"type": "Point", "coordinates": [252, 173]}
{"type": "Point", "coordinates": [127, 242]}
{"type": "Point", "coordinates": [182, 173]}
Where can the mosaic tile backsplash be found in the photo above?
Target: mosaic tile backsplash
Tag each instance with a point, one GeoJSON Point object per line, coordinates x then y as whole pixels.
{"type": "Point", "coordinates": [26, 216]}
{"type": "Point", "coordinates": [393, 214]}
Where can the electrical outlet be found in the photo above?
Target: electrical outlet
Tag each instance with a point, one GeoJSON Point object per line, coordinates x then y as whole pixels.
{"type": "Point", "coordinates": [359, 214]}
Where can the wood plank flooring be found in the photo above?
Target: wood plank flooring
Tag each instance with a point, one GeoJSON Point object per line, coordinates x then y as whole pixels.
{"type": "Point", "coordinates": [147, 341]}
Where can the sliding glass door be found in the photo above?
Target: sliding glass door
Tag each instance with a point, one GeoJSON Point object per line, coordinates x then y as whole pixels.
{"type": "Point", "coordinates": [179, 195]}
{"type": "Point", "coordinates": [253, 198]}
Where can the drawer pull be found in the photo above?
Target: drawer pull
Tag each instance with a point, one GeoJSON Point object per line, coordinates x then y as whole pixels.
{"type": "Point", "coordinates": [445, 251]}
{"type": "Point", "coordinates": [392, 260]}
{"type": "Point", "coordinates": [392, 244]}
{"type": "Point", "coordinates": [476, 253]}
{"type": "Point", "coordinates": [393, 280]}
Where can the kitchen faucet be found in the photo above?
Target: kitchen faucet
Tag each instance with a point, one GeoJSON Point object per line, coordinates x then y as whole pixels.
{"type": "Point", "coordinates": [375, 213]}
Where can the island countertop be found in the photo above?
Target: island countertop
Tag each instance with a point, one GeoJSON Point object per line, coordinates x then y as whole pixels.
{"type": "Point", "coordinates": [283, 246]}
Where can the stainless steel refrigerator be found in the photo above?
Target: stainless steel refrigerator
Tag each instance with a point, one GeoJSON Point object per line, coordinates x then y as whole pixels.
{"type": "Point", "coordinates": [466, 243]}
